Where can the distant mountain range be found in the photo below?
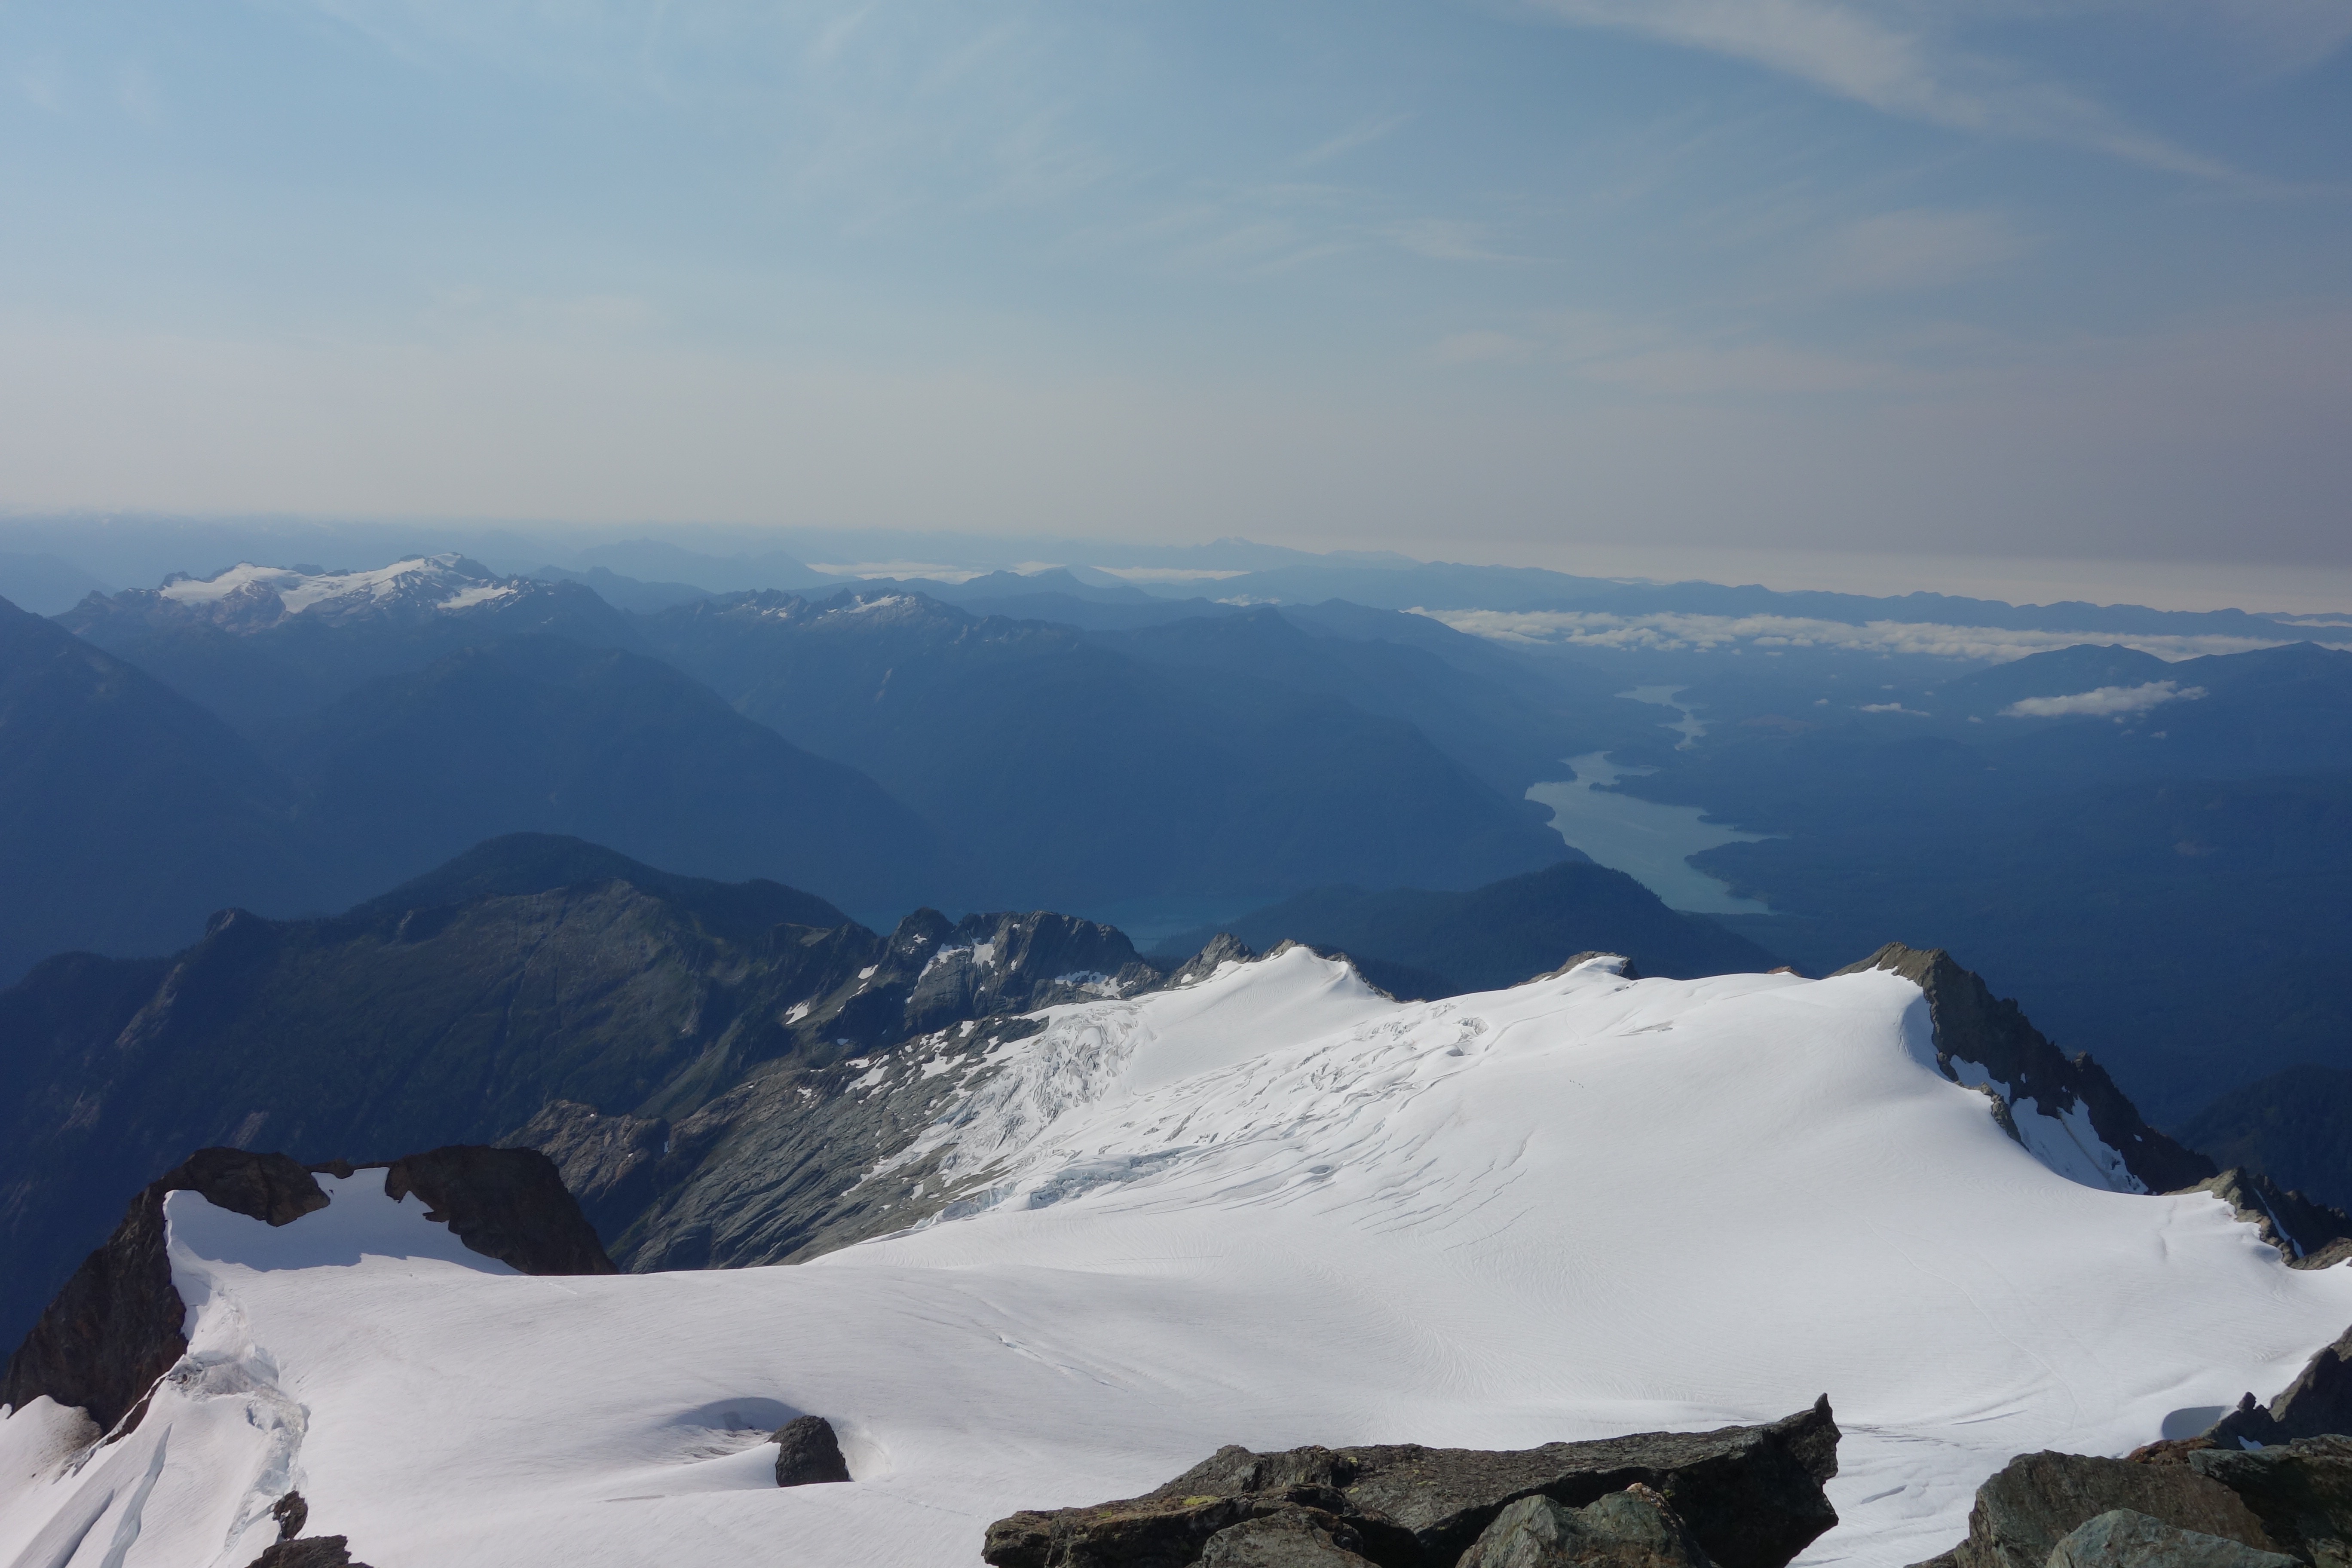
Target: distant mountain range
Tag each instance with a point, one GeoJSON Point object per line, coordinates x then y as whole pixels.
{"type": "Point", "coordinates": [1081, 769]}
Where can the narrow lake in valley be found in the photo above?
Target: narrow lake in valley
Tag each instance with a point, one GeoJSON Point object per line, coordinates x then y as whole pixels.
{"type": "Point", "coordinates": [1648, 842]}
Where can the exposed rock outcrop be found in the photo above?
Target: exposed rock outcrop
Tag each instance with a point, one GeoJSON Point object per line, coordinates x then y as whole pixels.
{"type": "Point", "coordinates": [115, 1327]}
{"type": "Point", "coordinates": [310, 1551]}
{"type": "Point", "coordinates": [1986, 1042]}
{"type": "Point", "coordinates": [2308, 1235]}
{"type": "Point", "coordinates": [507, 1203]}
{"type": "Point", "coordinates": [2122, 1539]}
{"type": "Point", "coordinates": [1751, 1497]}
{"type": "Point", "coordinates": [807, 1453]}
{"type": "Point", "coordinates": [1632, 1528]}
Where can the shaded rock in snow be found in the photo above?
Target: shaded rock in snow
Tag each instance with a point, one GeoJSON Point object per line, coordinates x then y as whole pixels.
{"type": "Point", "coordinates": [2123, 1538]}
{"type": "Point", "coordinates": [115, 1327]}
{"type": "Point", "coordinates": [2317, 1404]}
{"type": "Point", "coordinates": [1972, 1026]}
{"type": "Point", "coordinates": [1632, 1529]}
{"type": "Point", "coordinates": [2037, 1499]}
{"type": "Point", "coordinates": [807, 1453]}
{"type": "Point", "coordinates": [507, 1203]}
{"type": "Point", "coordinates": [2301, 1491]}
{"type": "Point", "coordinates": [291, 1514]}
{"type": "Point", "coordinates": [1750, 1495]}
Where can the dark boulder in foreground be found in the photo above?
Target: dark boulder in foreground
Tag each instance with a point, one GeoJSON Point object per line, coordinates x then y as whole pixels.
{"type": "Point", "coordinates": [808, 1453]}
{"type": "Point", "coordinates": [2122, 1539]}
{"type": "Point", "coordinates": [1749, 1497]}
{"type": "Point", "coordinates": [2288, 1503]}
{"type": "Point", "coordinates": [114, 1330]}
{"type": "Point", "coordinates": [2037, 1499]}
{"type": "Point", "coordinates": [2301, 1491]}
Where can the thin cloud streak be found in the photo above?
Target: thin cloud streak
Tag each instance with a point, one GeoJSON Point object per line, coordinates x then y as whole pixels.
{"type": "Point", "coordinates": [1845, 50]}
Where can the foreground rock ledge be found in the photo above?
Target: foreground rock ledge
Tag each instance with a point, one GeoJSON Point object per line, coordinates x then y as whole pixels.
{"type": "Point", "coordinates": [1751, 1497]}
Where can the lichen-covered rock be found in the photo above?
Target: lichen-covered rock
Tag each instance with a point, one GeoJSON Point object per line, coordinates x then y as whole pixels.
{"type": "Point", "coordinates": [2301, 1491]}
{"type": "Point", "coordinates": [2123, 1538]}
{"type": "Point", "coordinates": [2037, 1499]}
{"type": "Point", "coordinates": [1291, 1538]}
{"type": "Point", "coordinates": [1632, 1529]}
{"type": "Point", "coordinates": [1751, 1497]}
{"type": "Point", "coordinates": [807, 1453]}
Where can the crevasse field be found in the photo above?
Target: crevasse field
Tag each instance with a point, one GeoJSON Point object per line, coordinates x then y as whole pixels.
{"type": "Point", "coordinates": [1273, 1208]}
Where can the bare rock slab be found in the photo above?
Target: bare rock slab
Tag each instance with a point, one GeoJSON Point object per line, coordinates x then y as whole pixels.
{"type": "Point", "coordinates": [1749, 1497]}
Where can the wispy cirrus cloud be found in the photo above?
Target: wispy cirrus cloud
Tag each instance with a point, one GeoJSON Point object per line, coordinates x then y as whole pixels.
{"type": "Point", "coordinates": [1892, 56]}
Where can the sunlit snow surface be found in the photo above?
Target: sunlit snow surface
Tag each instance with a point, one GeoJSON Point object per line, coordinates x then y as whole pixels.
{"type": "Point", "coordinates": [1272, 1208]}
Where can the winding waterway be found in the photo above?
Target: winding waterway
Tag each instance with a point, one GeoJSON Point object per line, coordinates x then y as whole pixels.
{"type": "Point", "coordinates": [1649, 842]}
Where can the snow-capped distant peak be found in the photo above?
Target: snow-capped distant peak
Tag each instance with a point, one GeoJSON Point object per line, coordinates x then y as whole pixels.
{"type": "Point", "coordinates": [248, 597]}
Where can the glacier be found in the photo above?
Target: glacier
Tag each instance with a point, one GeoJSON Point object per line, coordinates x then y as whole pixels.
{"type": "Point", "coordinates": [1270, 1207]}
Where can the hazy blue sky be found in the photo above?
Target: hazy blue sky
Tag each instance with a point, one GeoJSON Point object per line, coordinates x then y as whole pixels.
{"type": "Point", "coordinates": [1479, 280]}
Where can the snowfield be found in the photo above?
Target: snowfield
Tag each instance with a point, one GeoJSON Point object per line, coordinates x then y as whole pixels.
{"type": "Point", "coordinates": [1271, 1208]}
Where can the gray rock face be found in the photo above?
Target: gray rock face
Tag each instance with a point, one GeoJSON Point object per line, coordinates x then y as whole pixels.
{"type": "Point", "coordinates": [1295, 1538]}
{"type": "Point", "coordinates": [1972, 1026]}
{"type": "Point", "coordinates": [2123, 1538]}
{"type": "Point", "coordinates": [807, 1453]}
{"type": "Point", "coordinates": [2038, 1500]}
{"type": "Point", "coordinates": [2301, 1491]}
{"type": "Point", "coordinates": [1632, 1529]}
{"type": "Point", "coordinates": [1749, 1497]}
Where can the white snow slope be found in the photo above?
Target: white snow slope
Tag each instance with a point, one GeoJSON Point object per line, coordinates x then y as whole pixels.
{"type": "Point", "coordinates": [1274, 1208]}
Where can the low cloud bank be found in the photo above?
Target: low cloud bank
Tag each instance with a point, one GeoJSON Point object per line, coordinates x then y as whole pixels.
{"type": "Point", "coordinates": [1676, 632]}
{"type": "Point", "coordinates": [2108, 701]}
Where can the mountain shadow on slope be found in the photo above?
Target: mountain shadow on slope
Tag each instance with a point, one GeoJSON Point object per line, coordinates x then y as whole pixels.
{"type": "Point", "coordinates": [2294, 1127]}
{"type": "Point", "coordinates": [1078, 776]}
{"type": "Point", "coordinates": [1503, 933]}
{"type": "Point", "coordinates": [544, 735]}
{"type": "Point", "coordinates": [127, 812]}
